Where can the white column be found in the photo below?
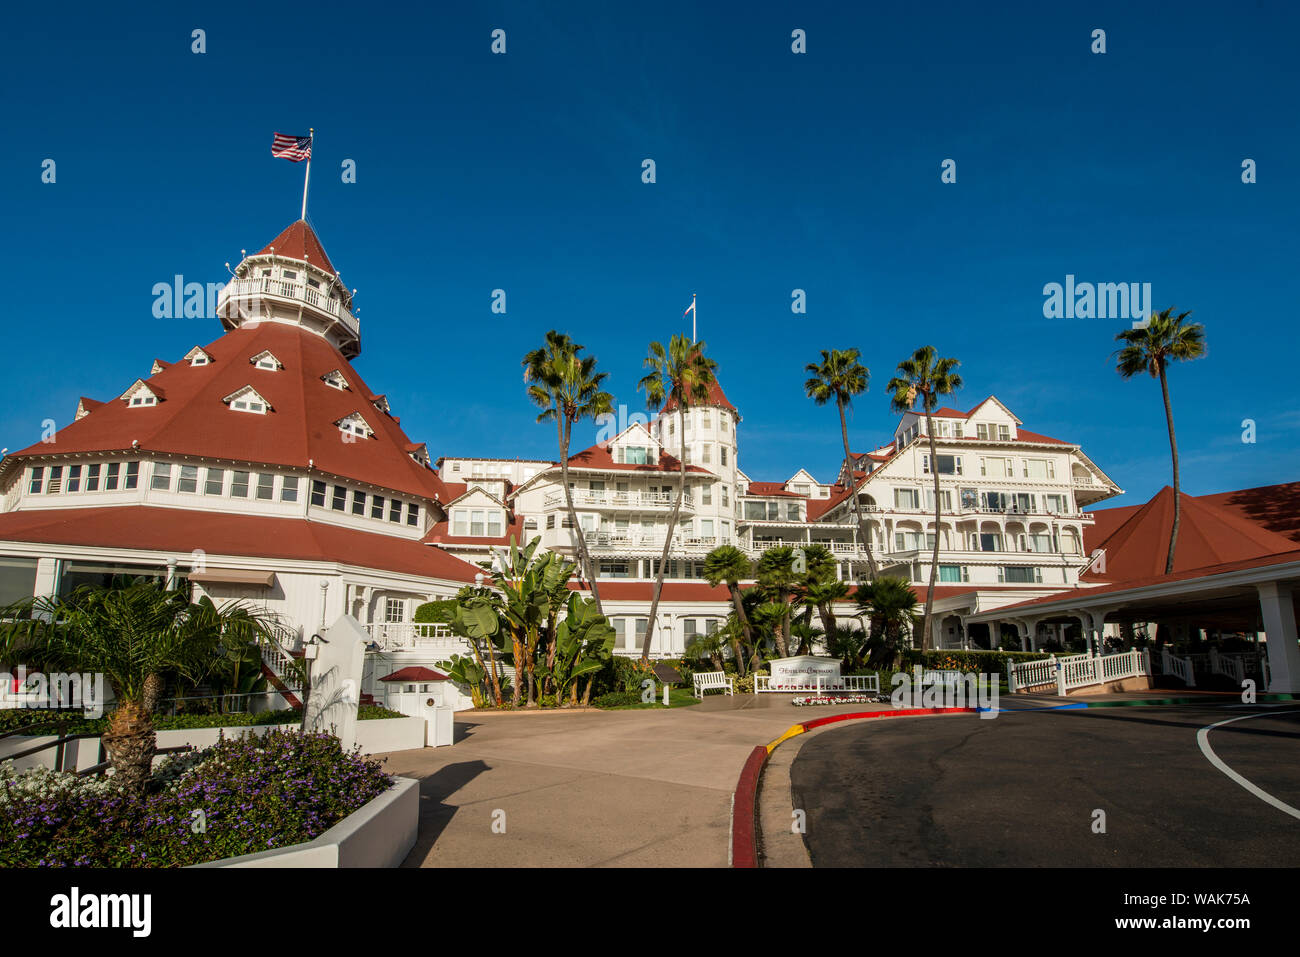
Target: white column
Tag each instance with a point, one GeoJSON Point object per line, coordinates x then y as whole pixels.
{"type": "Point", "coordinates": [1280, 629]}
{"type": "Point", "coordinates": [995, 635]}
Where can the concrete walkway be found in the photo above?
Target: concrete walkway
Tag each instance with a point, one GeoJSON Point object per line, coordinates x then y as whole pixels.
{"type": "Point", "coordinates": [591, 789]}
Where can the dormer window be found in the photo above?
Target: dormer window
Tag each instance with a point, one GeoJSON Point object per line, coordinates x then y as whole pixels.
{"type": "Point", "coordinates": [354, 424]}
{"type": "Point", "coordinates": [336, 380]}
{"type": "Point", "coordinates": [247, 399]}
{"type": "Point", "coordinates": [264, 360]}
{"type": "Point", "coordinates": [289, 274]}
{"type": "Point", "coordinates": [197, 357]}
{"type": "Point", "coordinates": [141, 394]}
{"type": "Point", "coordinates": [158, 366]}
{"type": "Point", "coordinates": [381, 403]}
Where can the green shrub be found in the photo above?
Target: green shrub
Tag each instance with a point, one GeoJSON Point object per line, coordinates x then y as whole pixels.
{"type": "Point", "coordinates": [617, 699]}
{"type": "Point", "coordinates": [443, 611]}
{"type": "Point", "coordinates": [978, 662]}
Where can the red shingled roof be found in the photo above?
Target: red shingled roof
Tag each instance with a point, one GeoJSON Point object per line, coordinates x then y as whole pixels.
{"type": "Point", "coordinates": [298, 241]}
{"type": "Point", "coordinates": [599, 457]}
{"type": "Point", "coordinates": [192, 420]}
{"type": "Point", "coordinates": [771, 488]}
{"type": "Point", "coordinates": [181, 531]}
{"type": "Point", "coordinates": [415, 673]}
{"type": "Point", "coordinates": [716, 398]}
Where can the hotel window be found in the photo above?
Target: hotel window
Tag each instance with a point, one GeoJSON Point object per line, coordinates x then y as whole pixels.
{"type": "Point", "coordinates": [377, 506]}
{"type": "Point", "coordinates": [74, 478]}
{"type": "Point", "coordinates": [614, 570]}
{"type": "Point", "coordinates": [641, 624]}
{"type": "Point", "coordinates": [988, 542]}
{"type": "Point", "coordinates": [1037, 543]}
{"type": "Point", "coordinates": [266, 486]}
{"type": "Point", "coordinates": [620, 632]}
{"type": "Point", "coordinates": [162, 476]}
{"type": "Point", "coordinates": [722, 455]}
{"type": "Point", "coordinates": [288, 274]}
{"type": "Point", "coordinates": [530, 525]}
{"type": "Point", "coordinates": [460, 522]}
{"type": "Point", "coordinates": [335, 379]}
{"type": "Point", "coordinates": [792, 513]}
{"type": "Point", "coordinates": [1056, 504]}
{"type": "Point", "coordinates": [394, 610]}
{"type": "Point", "coordinates": [189, 480]}
{"type": "Point", "coordinates": [249, 403]}
{"type": "Point", "coordinates": [110, 476]}
{"type": "Point", "coordinates": [945, 500]}
{"type": "Point", "coordinates": [144, 399]}
{"type": "Point", "coordinates": [636, 455]}
{"type": "Point", "coordinates": [1019, 574]}
{"type": "Point", "coordinates": [318, 493]}
{"type": "Point", "coordinates": [706, 495]}
{"type": "Point", "coordinates": [704, 420]}
{"type": "Point", "coordinates": [339, 499]}
{"type": "Point", "coordinates": [947, 464]}
{"type": "Point", "coordinates": [394, 510]}
{"type": "Point", "coordinates": [910, 541]}
{"type": "Point", "coordinates": [1004, 433]}
{"type": "Point", "coordinates": [550, 521]}
{"type": "Point", "coordinates": [724, 497]}
{"type": "Point", "coordinates": [359, 504]}
{"type": "Point", "coordinates": [954, 573]}
{"type": "Point", "coordinates": [92, 477]}
{"type": "Point", "coordinates": [239, 484]}
{"type": "Point", "coordinates": [413, 517]}
{"type": "Point", "coordinates": [957, 430]}
{"type": "Point", "coordinates": [981, 431]}
{"type": "Point", "coordinates": [289, 489]}
{"type": "Point", "coordinates": [56, 480]}
{"type": "Point", "coordinates": [1039, 469]}
{"type": "Point", "coordinates": [672, 426]}
{"type": "Point", "coordinates": [132, 479]}
{"type": "Point", "coordinates": [37, 480]}
{"type": "Point", "coordinates": [906, 498]}
{"type": "Point", "coordinates": [724, 422]}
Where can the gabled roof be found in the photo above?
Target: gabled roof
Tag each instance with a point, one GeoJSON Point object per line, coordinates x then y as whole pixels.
{"type": "Point", "coordinates": [86, 406]}
{"type": "Point", "coordinates": [598, 457]}
{"type": "Point", "coordinates": [194, 422]}
{"type": "Point", "coordinates": [415, 673]}
{"type": "Point", "coordinates": [298, 241]}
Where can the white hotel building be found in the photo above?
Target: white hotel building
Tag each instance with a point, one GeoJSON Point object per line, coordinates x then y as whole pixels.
{"type": "Point", "coordinates": [261, 466]}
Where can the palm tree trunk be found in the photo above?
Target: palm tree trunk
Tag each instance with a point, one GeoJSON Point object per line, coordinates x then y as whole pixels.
{"type": "Point", "coordinates": [668, 539]}
{"type": "Point", "coordinates": [153, 690]}
{"type": "Point", "coordinates": [520, 673]}
{"type": "Point", "coordinates": [863, 532]}
{"type": "Point", "coordinates": [743, 619]}
{"type": "Point", "coordinates": [1173, 450]}
{"type": "Point", "coordinates": [131, 742]}
{"type": "Point", "coordinates": [934, 559]}
{"type": "Point", "coordinates": [496, 681]}
{"type": "Point", "coordinates": [584, 558]}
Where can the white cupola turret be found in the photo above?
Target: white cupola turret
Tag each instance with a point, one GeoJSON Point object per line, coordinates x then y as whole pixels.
{"type": "Point", "coordinates": [293, 281]}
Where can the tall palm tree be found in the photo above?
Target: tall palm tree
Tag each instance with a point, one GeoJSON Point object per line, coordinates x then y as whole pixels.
{"type": "Point", "coordinates": [1165, 339]}
{"type": "Point", "coordinates": [840, 376]}
{"type": "Point", "coordinates": [132, 634]}
{"type": "Point", "coordinates": [680, 372]}
{"type": "Point", "coordinates": [926, 377]}
{"type": "Point", "coordinates": [780, 584]}
{"type": "Point", "coordinates": [728, 564]}
{"type": "Point", "coordinates": [567, 388]}
{"type": "Point", "coordinates": [889, 604]}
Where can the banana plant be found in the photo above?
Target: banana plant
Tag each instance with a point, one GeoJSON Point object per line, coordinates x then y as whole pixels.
{"type": "Point", "coordinates": [584, 642]}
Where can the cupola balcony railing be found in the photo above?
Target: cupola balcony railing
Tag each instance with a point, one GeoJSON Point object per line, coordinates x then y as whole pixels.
{"type": "Point", "coordinates": [243, 292]}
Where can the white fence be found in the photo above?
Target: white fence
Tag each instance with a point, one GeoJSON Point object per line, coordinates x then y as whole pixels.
{"type": "Point", "coordinates": [1180, 668]}
{"type": "Point", "coordinates": [433, 637]}
{"type": "Point", "coordinates": [1077, 671]}
{"type": "Point", "coordinates": [863, 684]}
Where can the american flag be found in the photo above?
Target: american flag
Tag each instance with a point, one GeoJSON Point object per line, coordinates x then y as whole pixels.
{"type": "Point", "coordinates": [295, 148]}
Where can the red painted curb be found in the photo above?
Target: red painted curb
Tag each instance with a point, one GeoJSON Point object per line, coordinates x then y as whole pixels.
{"type": "Point", "coordinates": [744, 810]}
{"type": "Point", "coordinates": [744, 807]}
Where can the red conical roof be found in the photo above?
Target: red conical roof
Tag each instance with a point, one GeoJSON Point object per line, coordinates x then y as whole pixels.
{"type": "Point", "coordinates": [298, 241]}
{"type": "Point", "coordinates": [716, 398]}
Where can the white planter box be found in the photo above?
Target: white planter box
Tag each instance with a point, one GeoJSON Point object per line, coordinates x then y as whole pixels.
{"type": "Point", "coordinates": [380, 834]}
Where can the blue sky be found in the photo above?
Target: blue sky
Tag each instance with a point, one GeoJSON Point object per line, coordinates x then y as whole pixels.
{"type": "Point", "coordinates": [775, 172]}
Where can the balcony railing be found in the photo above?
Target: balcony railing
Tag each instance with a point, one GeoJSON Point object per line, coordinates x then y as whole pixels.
{"type": "Point", "coordinates": [615, 543]}
{"type": "Point", "coordinates": [282, 289]}
{"type": "Point", "coordinates": [432, 637]}
{"type": "Point", "coordinates": [588, 498]}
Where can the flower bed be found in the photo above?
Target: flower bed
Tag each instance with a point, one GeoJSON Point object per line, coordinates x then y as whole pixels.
{"type": "Point", "coordinates": [814, 699]}
{"type": "Point", "coordinates": [254, 794]}
{"type": "Point", "coordinates": [76, 723]}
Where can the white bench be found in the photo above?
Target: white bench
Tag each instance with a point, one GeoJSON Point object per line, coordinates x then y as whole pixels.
{"type": "Point", "coordinates": [713, 681]}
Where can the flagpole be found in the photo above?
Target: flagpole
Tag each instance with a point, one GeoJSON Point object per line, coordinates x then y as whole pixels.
{"type": "Point", "coordinates": [694, 317]}
{"type": "Point", "coordinates": [311, 138]}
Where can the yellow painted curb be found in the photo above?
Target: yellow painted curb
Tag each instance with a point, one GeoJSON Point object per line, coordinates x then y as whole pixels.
{"type": "Point", "coordinates": [797, 729]}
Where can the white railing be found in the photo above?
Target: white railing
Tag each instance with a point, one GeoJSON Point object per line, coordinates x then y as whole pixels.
{"type": "Point", "coordinates": [856, 683]}
{"type": "Point", "coordinates": [283, 289]}
{"type": "Point", "coordinates": [1231, 665]}
{"type": "Point", "coordinates": [433, 637]}
{"type": "Point", "coordinates": [1077, 671]}
{"type": "Point", "coordinates": [1180, 668]}
{"type": "Point", "coordinates": [588, 498]}
{"type": "Point", "coordinates": [614, 542]}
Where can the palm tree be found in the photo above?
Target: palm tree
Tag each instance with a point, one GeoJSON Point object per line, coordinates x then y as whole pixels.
{"type": "Point", "coordinates": [567, 388]}
{"type": "Point", "coordinates": [841, 376]}
{"type": "Point", "coordinates": [780, 583]}
{"type": "Point", "coordinates": [678, 372]}
{"type": "Point", "coordinates": [889, 604]}
{"type": "Point", "coordinates": [728, 564]}
{"type": "Point", "coordinates": [1165, 339]}
{"type": "Point", "coordinates": [926, 377]}
{"type": "Point", "coordinates": [133, 635]}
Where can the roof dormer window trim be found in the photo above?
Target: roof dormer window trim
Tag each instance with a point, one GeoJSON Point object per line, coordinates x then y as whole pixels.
{"type": "Point", "coordinates": [335, 380]}
{"type": "Point", "coordinates": [265, 360]}
{"type": "Point", "coordinates": [197, 357]}
{"type": "Point", "coordinates": [140, 395]}
{"type": "Point", "coordinates": [248, 400]}
{"type": "Point", "coordinates": [356, 424]}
